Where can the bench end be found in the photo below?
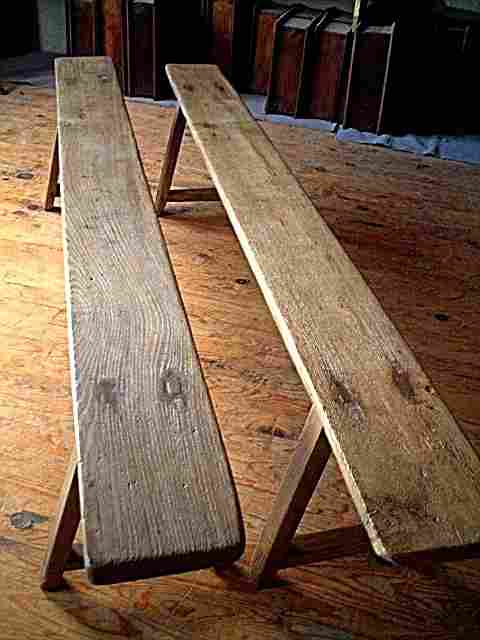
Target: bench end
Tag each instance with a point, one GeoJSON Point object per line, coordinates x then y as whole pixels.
{"type": "Point", "coordinates": [153, 567]}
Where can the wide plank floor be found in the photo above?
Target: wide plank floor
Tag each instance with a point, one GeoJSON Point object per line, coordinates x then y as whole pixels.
{"type": "Point", "coordinates": [410, 224]}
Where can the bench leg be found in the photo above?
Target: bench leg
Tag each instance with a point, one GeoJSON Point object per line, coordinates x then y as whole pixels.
{"type": "Point", "coordinates": [170, 161]}
{"type": "Point", "coordinates": [62, 530]}
{"type": "Point", "coordinates": [53, 174]}
{"type": "Point", "coordinates": [304, 472]}
{"type": "Point", "coordinates": [164, 192]}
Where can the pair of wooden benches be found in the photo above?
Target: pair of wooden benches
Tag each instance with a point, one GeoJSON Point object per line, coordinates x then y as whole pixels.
{"type": "Point", "coordinates": [149, 480]}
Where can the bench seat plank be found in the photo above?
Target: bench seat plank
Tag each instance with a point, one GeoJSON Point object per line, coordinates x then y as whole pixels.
{"type": "Point", "coordinates": [413, 476]}
{"type": "Point", "coordinates": [156, 489]}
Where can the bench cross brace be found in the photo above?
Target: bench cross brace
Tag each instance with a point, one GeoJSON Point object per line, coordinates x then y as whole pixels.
{"type": "Point", "coordinates": [164, 192]}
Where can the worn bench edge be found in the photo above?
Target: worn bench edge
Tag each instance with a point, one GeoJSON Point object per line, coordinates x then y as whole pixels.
{"type": "Point", "coordinates": [429, 557]}
{"type": "Point", "coordinates": [157, 567]}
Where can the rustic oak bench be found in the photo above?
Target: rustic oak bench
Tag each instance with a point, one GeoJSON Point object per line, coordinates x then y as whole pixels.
{"type": "Point", "coordinates": [149, 479]}
{"type": "Point", "coordinates": [412, 475]}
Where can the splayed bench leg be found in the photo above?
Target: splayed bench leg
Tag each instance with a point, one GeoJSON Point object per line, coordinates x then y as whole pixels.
{"type": "Point", "coordinates": [303, 474]}
{"type": "Point", "coordinates": [62, 530]}
{"type": "Point", "coordinates": [170, 161]}
{"type": "Point", "coordinates": [53, 175]}
{"type": "Point", "coordinates": [164, 192]}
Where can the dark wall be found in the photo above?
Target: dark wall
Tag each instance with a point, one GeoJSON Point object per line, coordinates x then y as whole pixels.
{"type": "Point", "coordinates": [18, 28]}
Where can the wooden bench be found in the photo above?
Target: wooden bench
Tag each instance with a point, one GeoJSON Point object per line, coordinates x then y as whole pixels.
{"type": "Point", "coordinates": [149, 479]}
{"type": "Point", "coordinates": [412, 475]}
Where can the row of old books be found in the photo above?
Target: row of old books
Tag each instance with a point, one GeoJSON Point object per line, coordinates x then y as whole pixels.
{"type": "Point", "coordinates": [403, 69]}
{"type": "Point", "coordinates": [408, 70]}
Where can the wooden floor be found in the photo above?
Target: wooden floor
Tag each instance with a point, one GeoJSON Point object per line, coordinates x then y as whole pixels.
{"type": "Point", "coordinates": [410, 224]}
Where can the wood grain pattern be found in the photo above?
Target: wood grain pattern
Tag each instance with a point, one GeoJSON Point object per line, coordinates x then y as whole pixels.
{"type": "Point", "coordinates": [361, 376]}
{"type": "Point", "coordinates": [156, 489]}
{"type": "Point", "coordinates": [420, 255]}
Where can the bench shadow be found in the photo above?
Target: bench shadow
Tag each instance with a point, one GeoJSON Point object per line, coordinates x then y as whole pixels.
{"type": "Point", "coordinates": [182, 606]}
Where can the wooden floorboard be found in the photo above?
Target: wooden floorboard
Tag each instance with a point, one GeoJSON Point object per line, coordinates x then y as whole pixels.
{"type": "Point", "coordinates": [410, 224]}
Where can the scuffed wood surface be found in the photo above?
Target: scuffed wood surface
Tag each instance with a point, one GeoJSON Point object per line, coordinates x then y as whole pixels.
{"type": "Point", "coordinates": [156, 491]}
{"type": "Point", "coordinates": [420, 255]}
{"type": "Point", "coordinates": [414, 478]}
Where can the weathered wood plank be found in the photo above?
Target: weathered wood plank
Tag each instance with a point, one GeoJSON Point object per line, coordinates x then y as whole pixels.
{"type": "Point", "coordinates": [156, 489]}
{"type": "Point", "coordinates": [414, 478]}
